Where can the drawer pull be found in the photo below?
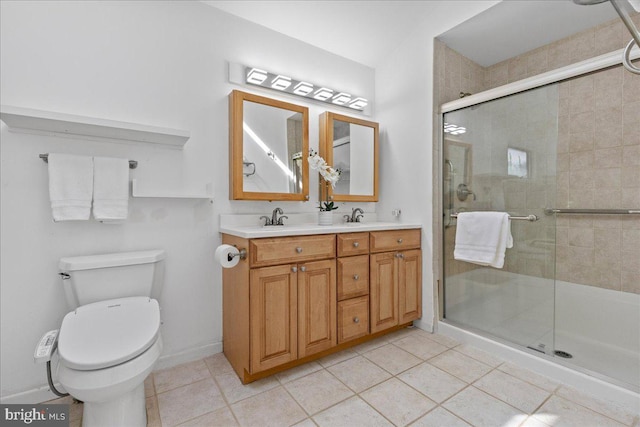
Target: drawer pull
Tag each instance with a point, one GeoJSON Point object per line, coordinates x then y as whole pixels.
{"type": "Point", "coordinates": [356, 244]}
{"type": "Point", "coordinates": [294, 269]}
{"type": "Point", "coordinates": [299, 250]}
{"type": "Point", "coordinates": [356, 277]}
{"type": "Point", "coordinates": [356, 320]}
{"type": "Point", "coordinates": [399, 255]}
{"type": "Point", "coordinates": [303, 268]}
{"type": "Point", "coordinates": [399, 240]}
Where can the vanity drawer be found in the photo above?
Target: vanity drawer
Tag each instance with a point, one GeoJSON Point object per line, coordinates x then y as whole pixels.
{"type": "Point", "coordinates": [283, 250]}
{"type": "Point", "coordinates": [353, 319]}
{"type": "Point", "coordinates": [394, 240]}
{"type": "Point", "coordinates": [353, 244]}
{"type": "Point", "coordinates": [353, 277]}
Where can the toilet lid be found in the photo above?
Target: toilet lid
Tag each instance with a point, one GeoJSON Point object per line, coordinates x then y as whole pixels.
{"type": "Point", "coordinates": [108, 333]}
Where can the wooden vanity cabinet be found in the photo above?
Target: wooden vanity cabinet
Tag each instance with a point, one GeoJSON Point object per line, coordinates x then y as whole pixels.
{"type": "Point", "coordinates": [293, 299]}
{"type": "Point", "coordinates": [396, 278]}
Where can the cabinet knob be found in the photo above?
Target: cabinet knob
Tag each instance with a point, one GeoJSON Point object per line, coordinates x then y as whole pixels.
{"type": "Point", "coordinates": [356, 244]}
{"type": "Point", "coordinates": [399, 240]}
{"type": "Point", "coordinates": [356, 320]}
{"type": "Point", "coordinates": [294, 269]}
{"type": "Point", "coordinates": [299, 250]}
{"type": "Point", "coordinates": [303, 268]}
{"type": "Point", "coordinates": [399, 255]}
{"type": "Point", "coordinates": [356, 277]}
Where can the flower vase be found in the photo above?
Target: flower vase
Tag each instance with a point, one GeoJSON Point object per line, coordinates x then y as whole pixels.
{"type": "Point", "coordinates": [325, 218]}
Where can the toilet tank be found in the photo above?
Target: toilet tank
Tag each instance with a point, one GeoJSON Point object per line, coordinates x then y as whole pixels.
{"type": "Point", "coordinates": [94, 278]}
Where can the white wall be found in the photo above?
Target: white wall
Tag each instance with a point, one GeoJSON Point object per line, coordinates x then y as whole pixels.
{"type": "Point", "coordinates": [404, 109]}
{"type": "Point", "coordinates": [157, 63]}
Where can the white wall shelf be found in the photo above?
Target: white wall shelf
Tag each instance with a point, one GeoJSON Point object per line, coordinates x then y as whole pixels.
{"type": "Point", "coordinates": [137, 192]}
{"type": "Point", "coordinates": [28, 120]}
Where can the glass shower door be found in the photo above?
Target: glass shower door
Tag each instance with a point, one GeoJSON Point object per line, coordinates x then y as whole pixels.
{"type": "Point", "coordinates": [501, 156]}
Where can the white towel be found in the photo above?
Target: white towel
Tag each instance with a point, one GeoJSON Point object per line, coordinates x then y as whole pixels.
{"type": "Point", "coordinates": [70, 186]}
{"type": "Point", "coordinates": [483, 237]}
{"type": "Point", "coordinates": [110, 189]}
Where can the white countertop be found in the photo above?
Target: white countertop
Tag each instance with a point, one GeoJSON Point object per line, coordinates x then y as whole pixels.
{"type": "Point", "coordinates": [252, 231]}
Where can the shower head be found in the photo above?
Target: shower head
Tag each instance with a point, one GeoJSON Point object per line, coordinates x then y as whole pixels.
{"type": "Point", "coordinates": [588, 2]}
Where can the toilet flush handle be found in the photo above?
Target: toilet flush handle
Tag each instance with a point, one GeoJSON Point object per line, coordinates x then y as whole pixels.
{"type": "Point", "coordinates": [64, 276]}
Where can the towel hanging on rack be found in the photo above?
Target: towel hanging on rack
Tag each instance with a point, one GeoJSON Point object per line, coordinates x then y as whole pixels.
{"type": "Point", "coordinates": [483, 237]}
{"type": "Point", "coordinates": [110, 189]}
{"type": "Point", "coordinates": [70, 186]}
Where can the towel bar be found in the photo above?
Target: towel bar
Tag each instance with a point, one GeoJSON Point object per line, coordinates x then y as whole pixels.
{"type": "Point", "coordinates": [551, 211]}
{"type": "Point", "coordinates": [132, 163]}
{"type": "Point", "coordinates": [531, 218]}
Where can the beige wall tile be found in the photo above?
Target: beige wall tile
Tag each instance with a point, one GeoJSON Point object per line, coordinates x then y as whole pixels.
{"type": "Point", "coordinates": [630, 281]}
{"type": "Point", "coordinates": [608, 158]}
{"type": "Point", "coordinates": [582, 237]}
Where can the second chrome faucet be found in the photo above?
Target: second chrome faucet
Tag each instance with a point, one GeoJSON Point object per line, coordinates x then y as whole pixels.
{"type": "Point", "coordinates": [355, 216]}
{"type": "Point", "coordinates": [274, 220]}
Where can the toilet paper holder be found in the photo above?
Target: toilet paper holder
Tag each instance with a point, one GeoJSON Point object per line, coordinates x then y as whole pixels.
{"type": "Point", "coordinates": [242, 254]}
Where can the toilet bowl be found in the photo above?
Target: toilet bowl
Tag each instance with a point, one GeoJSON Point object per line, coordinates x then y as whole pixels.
{"type": "Point", "coordinates": [110, 342]}
{"type": "Point", "coordinates": [106, 350]}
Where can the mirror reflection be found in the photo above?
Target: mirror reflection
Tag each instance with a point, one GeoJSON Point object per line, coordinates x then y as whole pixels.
{"type": "Point", "coordinates": [269, 138]}
{"type": "Point", "coordinates": [351, 146]}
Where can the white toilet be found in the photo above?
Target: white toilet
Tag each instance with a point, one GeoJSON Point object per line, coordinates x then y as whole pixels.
{"type": "Point", "coordinates": [111, 340]}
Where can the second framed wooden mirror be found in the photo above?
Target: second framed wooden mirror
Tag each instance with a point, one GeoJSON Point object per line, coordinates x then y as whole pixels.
{"type": "Point", "coordinates": [350, 145]}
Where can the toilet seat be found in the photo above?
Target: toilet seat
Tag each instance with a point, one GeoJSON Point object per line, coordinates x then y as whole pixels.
{"type": "Point", "coordinates": [108, 333]}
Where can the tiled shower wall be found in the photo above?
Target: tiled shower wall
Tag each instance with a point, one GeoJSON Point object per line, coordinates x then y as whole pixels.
{"type": "Point", "coordinates": [598, 152]}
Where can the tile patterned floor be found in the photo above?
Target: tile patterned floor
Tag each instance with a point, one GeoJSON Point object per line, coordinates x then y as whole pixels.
{"type": "Point", "coordinates": [410, 377]}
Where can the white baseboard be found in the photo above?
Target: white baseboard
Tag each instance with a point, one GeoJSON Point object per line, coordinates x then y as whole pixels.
{"type": "Point", "coordinates": [422, 324]}
{"type": "Point", "coordinates": [36, 395]}
{"type": "Point", "coordinates": [43, 394]}
{"type": "Point", "coordinates": [189, 355]}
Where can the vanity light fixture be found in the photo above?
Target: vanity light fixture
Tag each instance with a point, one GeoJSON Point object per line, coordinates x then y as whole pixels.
{"type": "Point", "coordinates": [282, 83]}
{"type": "Point", "coordinates": [341, 98]}
{"type": "Point", "coordinates": [323, 94]}
{"type": "Point", "coordinates": [256, 76]}
{"type": "Point", "coordinates": [358, 103]}
{"type": "Point", "coordinates": [303, 89]}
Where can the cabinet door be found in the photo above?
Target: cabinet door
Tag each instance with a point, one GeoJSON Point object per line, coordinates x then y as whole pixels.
{"type": "Point", "coordinates": [316, 307]}
{"type": "Point", "coordinates": [410, 285]}
{"type": "Point", "coordinates": [273, 300]}
{"type": "Point", "coordinates": [383, 291]}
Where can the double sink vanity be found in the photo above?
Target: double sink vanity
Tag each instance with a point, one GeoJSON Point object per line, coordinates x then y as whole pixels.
{"type": "Point", "coordinates": [305, 291]}
{"type": "Point", "coordinates": [302, 291]}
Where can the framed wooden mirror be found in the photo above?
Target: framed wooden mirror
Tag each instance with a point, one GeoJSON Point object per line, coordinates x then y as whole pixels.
{"type": "Point", "coordinates": [268, 147]}
{"type": "Point", "coordinates": [350, 145]}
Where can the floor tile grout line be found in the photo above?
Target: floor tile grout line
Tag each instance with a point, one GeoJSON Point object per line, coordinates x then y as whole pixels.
{"type": "Point", "coordinates": [527, 381]}
{"type": "Point", "coordinates": [296, 400]}
{"type": "Point", "coordinates": [540, 406]}
{"type": "Point", "coordinates": [503, 401]}
{"type": "Point", "coordinates": [177, 366]}
{"type": "Point", "coordinates": [588, 408]}
{"type": "Point", "coordinates": [224, 397]}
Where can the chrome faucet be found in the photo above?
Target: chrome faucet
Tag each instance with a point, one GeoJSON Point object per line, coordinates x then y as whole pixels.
{"type": "Point", "coordinates": [274, 220]}
{"type": "Point", "coordinates": [356, 214]}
